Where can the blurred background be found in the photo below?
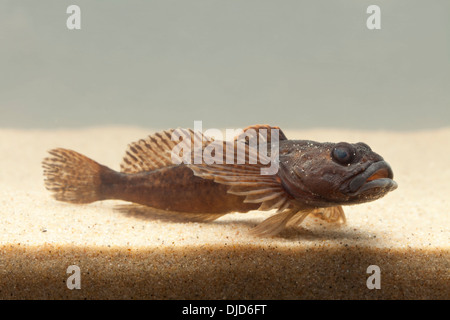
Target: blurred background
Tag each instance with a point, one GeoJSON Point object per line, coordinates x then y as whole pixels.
{"type": "Point", "coordinates": [230, 63]}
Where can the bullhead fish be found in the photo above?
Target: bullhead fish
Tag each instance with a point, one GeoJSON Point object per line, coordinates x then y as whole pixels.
{"type": "Point", "coordinates": [311, 177]}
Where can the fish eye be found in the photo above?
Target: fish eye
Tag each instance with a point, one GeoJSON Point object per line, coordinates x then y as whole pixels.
{"type": "Point", "coordinates": [343, 154]}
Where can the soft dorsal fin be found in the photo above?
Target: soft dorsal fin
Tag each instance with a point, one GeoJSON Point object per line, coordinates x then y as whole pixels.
{"type": "Point", "coordinates": [147, 154]}
{"type": "Point", "coordinates": [154, 152]}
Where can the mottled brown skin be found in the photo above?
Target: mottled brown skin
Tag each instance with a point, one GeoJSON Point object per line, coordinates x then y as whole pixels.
{"type": "Point", "coordinates": [311, 175]}
{"type": "Point", "coordinates": [172, 188]}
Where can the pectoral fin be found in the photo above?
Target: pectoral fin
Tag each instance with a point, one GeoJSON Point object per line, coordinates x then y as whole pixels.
{"type": "Point", "coordinates": [244, 180]}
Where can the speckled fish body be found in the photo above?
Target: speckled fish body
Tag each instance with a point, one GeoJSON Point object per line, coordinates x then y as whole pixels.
{"type": "Point", "coordinates": [174, 189]}
{"type": "Point", "coordinates": [312, 178]}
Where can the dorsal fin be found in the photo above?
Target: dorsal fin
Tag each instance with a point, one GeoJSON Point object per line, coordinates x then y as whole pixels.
{"type": "Point", "coordinates": [154, 152]}
{"type": "Point", "coordinates": [148, 154]}
{"type": "Point", "coordinates": [265, 130]}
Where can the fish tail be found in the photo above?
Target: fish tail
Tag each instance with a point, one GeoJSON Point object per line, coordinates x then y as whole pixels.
{"type": "Point", "coordinates": [73, 177]}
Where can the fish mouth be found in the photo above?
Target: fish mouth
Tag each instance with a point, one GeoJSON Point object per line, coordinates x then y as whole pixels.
{"type": "Point", "coordinates": [378, 178]}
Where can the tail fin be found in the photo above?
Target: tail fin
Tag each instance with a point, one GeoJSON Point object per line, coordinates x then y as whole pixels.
{"type": "Point", "coordinates": [72, 177]}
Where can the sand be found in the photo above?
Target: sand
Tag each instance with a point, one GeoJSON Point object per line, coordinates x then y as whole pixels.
{"type": "Point", "coordinates": [130, 256]}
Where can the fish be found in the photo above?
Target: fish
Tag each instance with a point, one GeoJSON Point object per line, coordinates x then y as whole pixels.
{"type": "Point", "coordinates": [312, 178]}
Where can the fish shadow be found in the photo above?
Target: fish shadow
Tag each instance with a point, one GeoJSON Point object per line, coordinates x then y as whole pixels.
{"type": "Point", "coordinates": [312, 230]}
{"type": "Point", "coordinates": [326, 233]}
{"type": "Point", "coordinates": [151, 214]}
{"type": "Point", "coordinates": [147, 213]}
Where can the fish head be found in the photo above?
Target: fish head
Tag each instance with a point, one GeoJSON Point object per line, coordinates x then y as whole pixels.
{"type": "Point", "coordinates": [329, 174]}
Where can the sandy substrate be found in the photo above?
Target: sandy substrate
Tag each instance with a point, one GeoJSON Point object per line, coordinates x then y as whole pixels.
{"type": "Point", "coordinates": [124, 255]}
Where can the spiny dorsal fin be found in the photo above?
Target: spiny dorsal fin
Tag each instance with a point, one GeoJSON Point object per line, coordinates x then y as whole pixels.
{"type": "Point", "coordinates": [263, 131]}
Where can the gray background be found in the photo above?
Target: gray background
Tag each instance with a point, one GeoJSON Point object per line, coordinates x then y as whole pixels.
{"type": "Point", "coordinates": [230, 63]}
